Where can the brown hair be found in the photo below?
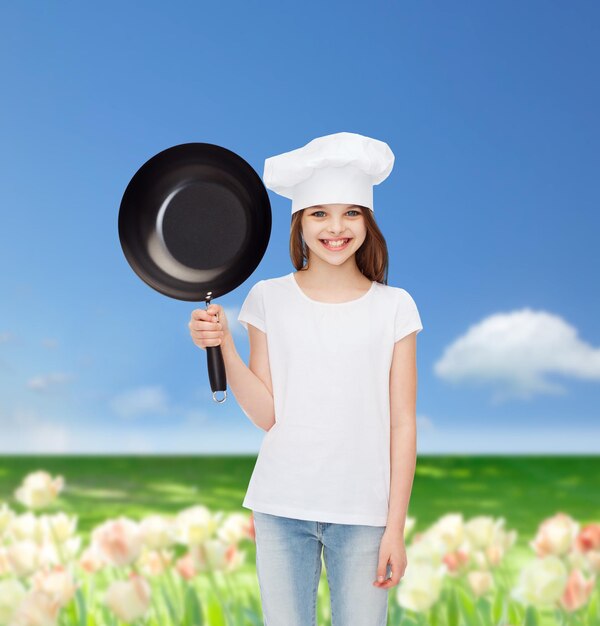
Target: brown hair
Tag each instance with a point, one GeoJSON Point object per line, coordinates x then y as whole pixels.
{"type": "Point", "coordinates": [371, 257]}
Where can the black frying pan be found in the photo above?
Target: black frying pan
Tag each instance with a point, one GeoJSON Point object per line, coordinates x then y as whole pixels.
{"type": "Point", "coordinates": [194, 224]}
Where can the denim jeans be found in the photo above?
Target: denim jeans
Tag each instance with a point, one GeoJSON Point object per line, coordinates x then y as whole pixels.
{"type": "Point", "coordinates": [288, 567]}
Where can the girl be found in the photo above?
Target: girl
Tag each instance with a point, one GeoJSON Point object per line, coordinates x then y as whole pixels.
{"type": "Point", "coordinates": [332, 379]}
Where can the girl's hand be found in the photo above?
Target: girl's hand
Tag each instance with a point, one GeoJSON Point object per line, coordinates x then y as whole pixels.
{"type": "Point", "coordinates": [393, 551]}
{"type": "Point", "coordinates": [208, 327]}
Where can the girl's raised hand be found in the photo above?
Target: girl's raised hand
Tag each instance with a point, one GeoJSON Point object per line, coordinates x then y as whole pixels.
{"type": "Point", "coordinates": [208, 327]}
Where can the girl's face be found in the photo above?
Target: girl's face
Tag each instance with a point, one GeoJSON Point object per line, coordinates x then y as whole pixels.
{"type": "Point", "coordinates": [323, 223]}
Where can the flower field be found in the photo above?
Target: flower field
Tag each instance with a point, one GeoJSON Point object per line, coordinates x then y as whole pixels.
{"type": "Point", "coordinates": [91, 541]}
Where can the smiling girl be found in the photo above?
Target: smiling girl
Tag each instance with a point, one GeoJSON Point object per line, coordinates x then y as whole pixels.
{"type": "Point", "coordinates": [332, 378]}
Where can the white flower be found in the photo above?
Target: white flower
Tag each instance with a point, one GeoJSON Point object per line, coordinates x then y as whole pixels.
{"type": "Point", "coordinates": [483, 531]}
{"type": "Point", "coordinates": [541, 582]}
{"type": "Point", "coordinates": [39, 489]}
{"type": "Point", "coordinates": [26, 526]}
{"type": "Point", "coordinates": [427, 549]}
{"type": "Point", "coordinates": [420, 587]}
{"type": "Point", "coordinates": [196, 524]}
{"type": "Point", "coordinates": [23, 557]}
{"type": "Point", "coordinates": [480, 581]}
{"type": "Point", "coordinates": [158, 532]}
{"type": "Point", "coordinates": [155, 562]}
{"type": "Point", "coordinates": [6, 516]}
{"type": "Point", "coordinates": [128, 599]}
{"type": "Point", "coordinates": [409, 525]}
{"type": "Point", "coordinates": [5, 567]}
{"type": "Point", "coordinates": [59, 527]}
{"type": "Point", "coordinates": [11, 594]}
{"type": "Point", "coordinates": [450, 529]}
{"type": "Point", "coordinates": [215, 554]}
{"type": "Point", "coordinates": [235, 528]}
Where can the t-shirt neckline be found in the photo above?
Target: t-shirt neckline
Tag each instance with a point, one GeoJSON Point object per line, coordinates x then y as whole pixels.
{"type": "Point", "coordinates": [299, 290]}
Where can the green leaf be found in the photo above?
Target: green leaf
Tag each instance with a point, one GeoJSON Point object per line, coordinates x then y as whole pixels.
{"type": "Point", "coordinates": [531, 617]}
{"type": "Point", "coordinates": [254, 602]}
{"type": "Point", "coordinates": [215, 613]}
{"type": "Point", "coordinates": [513, 613]}
{"type": "Point", "coordinates": [170, 606]}
{"type": "Point", "coordinates": [499, 608]}
{"type": "Point", "coordinates": [452, 608]}
{"type": "Point", "coordinates": [483, 607]}
{"type": "Point", "coordinates": [252, 616]}
{"type": "Point", "coordinates": [467, 607]}
{"type": "Point", "coordinates": [559, 617]}
{"type": "Point", "coordinates": [593, 612]}
{"type": "Point", "coordinates": [395, 612]}
{"type": "Point", "coordinates": [193, 609]}
{"type": "Point", "coordinates": [81, 608]}
{"type": "Point", "coordinates": [435, 619]}
{"type": "Point", "coordinates": [109, 616]}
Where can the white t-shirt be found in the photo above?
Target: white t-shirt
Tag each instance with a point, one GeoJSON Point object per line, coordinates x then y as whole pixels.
{"type": "Point", "coordinates": [327, 457]}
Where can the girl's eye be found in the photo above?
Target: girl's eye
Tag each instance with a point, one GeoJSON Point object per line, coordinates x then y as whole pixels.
{"type": "Point", "coordinates": [350, 211]}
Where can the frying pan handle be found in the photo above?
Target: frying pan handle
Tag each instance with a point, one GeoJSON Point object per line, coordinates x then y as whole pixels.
{"type": "Point", "coordinates": [216, 371]}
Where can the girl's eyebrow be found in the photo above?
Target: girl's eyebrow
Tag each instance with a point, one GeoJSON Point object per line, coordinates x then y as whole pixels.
{"type": "Point", "coordinates": [320, 206]}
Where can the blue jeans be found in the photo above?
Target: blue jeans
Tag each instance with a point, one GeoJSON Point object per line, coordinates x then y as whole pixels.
{"type": "Point", "coordinates": [288, 566]}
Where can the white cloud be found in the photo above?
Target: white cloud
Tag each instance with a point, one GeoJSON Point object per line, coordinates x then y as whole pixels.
{"type": "Point", "coordinates": [45, 382]}
{"type": "Point", "coordinates": [24, 430]}
{"type": "Point", "coordinates": [509, 441]}
{"type": "Point", "coordinates": [425, 423]}
{"type": "Point", "coordinates": [7, 336]}
{"type": "Point", "coordinates": [516, 353]}
{"type": "Point", "coordinates": [50, 343]}
{"type": "Point", "coordinates": [141, 401]}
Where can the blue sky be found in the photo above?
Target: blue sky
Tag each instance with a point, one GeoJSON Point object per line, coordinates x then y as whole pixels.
{"type": "Point", "coordinates": [490, 214]}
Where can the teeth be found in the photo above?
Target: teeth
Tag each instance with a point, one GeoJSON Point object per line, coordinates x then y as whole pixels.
{"type": "Point", "coordinates": [335, 243]}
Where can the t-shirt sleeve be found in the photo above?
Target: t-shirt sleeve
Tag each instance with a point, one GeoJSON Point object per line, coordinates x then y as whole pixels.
{"type": "Point", "coordinates": [407, 316]}
{"type": "Point", "coordinates": [253, 308]}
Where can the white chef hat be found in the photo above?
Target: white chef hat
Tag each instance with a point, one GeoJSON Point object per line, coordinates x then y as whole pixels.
{"type": "Point", "coordinates": [335, 169]}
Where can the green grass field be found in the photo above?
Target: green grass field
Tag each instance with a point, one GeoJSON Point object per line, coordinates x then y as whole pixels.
{"type": "Point", "coordinates": [523, 489]}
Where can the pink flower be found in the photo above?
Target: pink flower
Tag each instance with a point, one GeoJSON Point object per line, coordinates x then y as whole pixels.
{"type": "Point", "coordinates": [588, 538]}
{"type": "Point", "coordinates": [555, 535]}
{"type": "Point", "coordinates": [92, 560]}
{"type": "Point", "coordinates": [185, 567]}
{"type": "Point", "coordinates": [155, 562]}
{"type": "Point", "coordinates": [36, 609]}
{"type": "Point", "coordinates": [578, 590]}
{"type": "Point", "coordinates": [455, 561]}
{"type": "Point", "coordinates": [119, 541]}
{"type": "Point", "coordinates": [57, 582]}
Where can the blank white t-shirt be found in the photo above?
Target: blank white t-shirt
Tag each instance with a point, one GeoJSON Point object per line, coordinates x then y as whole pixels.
{"type": "Point", "coordinates": [327, 458]}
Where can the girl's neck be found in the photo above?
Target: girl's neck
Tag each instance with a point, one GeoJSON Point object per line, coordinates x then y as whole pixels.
{"type": "Point", "coordinates": [334, 281]}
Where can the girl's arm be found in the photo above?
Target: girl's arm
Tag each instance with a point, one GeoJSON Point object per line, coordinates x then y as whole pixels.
{"type": "Point", "coordinates": [251, 386]}
{"type": "Point", "coordinates": [403, 436]}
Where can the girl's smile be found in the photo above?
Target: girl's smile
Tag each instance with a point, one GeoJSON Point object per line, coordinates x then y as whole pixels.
{"type": "Point", "coordinates": [336, 244]}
